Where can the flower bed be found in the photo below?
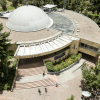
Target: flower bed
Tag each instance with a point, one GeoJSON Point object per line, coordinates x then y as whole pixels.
{"type": "Point", "coordinates": [62, 64]}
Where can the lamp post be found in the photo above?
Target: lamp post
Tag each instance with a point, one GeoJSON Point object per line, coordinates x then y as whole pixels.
{"type": "Point", "coordinates": [77, 5]}
{"type": "Point", "coordinates": [64, 4]}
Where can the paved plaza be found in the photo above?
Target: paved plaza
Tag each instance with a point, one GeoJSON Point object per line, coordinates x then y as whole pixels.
{"type": "Point", "coordinates": [70, 83]}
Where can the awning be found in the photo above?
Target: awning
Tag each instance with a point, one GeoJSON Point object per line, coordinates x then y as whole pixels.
{"type": "Point", "coordinates": [43, 47]}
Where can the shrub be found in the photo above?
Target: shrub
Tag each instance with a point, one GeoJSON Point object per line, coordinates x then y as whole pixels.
{"type": "Point", "coordinates": [49, 65]}
{"type": "Point", "coordinates": [62, 63]}
{"type": "Point", "coordinates": [73, 56]}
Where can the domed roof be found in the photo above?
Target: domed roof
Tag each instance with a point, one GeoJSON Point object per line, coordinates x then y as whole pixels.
{"type": "Point", "coordinates": [28, 18]}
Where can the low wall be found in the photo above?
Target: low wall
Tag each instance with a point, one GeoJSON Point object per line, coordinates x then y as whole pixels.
{"type": "Point", "coordinates": [64, 68]}
{"type": "Point", "coordinates": [12, 87]}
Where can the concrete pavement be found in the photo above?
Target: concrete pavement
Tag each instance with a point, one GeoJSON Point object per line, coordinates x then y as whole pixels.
{"type": "Point", "coordinates": [71, 73]}
{"type": "Point", "coordinates": [70, 84]}
{"type": "Point", "coordinates": [31, 78]}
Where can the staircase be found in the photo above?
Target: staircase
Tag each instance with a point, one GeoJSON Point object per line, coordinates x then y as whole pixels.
{"type": "Point", "coordinates": [44, 82]}
{"type": "Point", "coordinates": [31, 71]}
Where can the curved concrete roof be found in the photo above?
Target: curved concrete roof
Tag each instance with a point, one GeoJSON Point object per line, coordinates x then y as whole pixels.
{"type": "Point", "coordinates": [28, 18]}
{"type": "Point", "coordinates": [85, 28]}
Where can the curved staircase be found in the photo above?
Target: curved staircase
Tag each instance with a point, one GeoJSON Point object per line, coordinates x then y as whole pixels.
{"type": "Point", "coordinates": [33, 70]}
{"type": "Point", "coordinates": [44, 82]}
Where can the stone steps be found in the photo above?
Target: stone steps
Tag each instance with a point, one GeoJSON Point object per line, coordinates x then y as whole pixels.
{"type": "Point", "coordinates": [31, 71]}
{"type": "Point", "coordinates": [44, 82]}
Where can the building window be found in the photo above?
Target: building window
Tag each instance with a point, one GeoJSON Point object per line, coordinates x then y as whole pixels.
{"type": "Point", "coordinates": [74, 46]}
{"type": "Point", "coordinates": [86, 46]}
{"type": "Point", "coordinates": [95, 49]}
{"type": "Point", "coordinates": [91, 48]}
{"type": "Point", "coordinates": [82, 44]}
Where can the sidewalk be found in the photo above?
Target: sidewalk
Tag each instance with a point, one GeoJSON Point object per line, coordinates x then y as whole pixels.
{"type": "Point", "coordinates": [31, 78]}
{"type": "Point", "coordinates": [70, 84]}
{"type": "Point", "coordinates": [71, 73]}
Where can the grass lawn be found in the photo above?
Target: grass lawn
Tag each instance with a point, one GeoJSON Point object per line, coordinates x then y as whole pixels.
{"type": "Point", "coordinates": [8, 2]}
{"type": "Point", "coordinates": [8, 8]}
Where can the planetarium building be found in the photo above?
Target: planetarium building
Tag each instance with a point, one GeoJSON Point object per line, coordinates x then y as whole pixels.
{"type": "Point", "coordinates": [51, 34]}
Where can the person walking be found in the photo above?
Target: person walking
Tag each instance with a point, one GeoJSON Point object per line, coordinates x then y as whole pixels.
{"type": "Point", "coordinates": [82, 97]}
{"type": "Point", "coordinates": [39, 91]}
{"type": "Point", "coordinates": [44, 74]}
{"type": "Point", "coordinates": [46, 90]}
{"type": "Point", "coordinates": [56, 85]}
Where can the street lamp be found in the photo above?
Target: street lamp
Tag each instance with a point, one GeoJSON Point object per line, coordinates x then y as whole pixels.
{"type": "Point", "coordinates": [77, 5]}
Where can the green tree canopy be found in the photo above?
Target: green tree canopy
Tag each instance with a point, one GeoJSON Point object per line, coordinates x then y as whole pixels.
{"type": "Point", "coordinates": [96, 5]}
{"type": "Point", "coordinates": [3, 4]}
{"type": "Point", "coordinates": [92, 76]}
{"type": "Point", "coordinates": [15, 3]}
{"type": "Point", "coordinates": [4, 53]}
{"type": "Point", "coordinates": [72, 97]}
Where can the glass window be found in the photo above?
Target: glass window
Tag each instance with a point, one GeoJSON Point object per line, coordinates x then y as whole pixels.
{"type": "Point", "coordinates": [82, 44]}
{"type": "Point", "coordinates": [95, 49]}
{"type": "Point", "coordinates": [86, 46]}
{"type": "Point", "coordinates": [91, 47]}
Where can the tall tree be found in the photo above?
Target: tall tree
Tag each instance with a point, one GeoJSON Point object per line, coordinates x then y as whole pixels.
{"type": "Point", "coordinates": [92, 76]}
{"type": "Point", "coordinates": [4, 54]}
{"type": "Point", "coordinates": [3, 4]}
{"type": "Point", "coordinates": [15, 3]}
{"type": "Point", "coordinates": [96, 5]}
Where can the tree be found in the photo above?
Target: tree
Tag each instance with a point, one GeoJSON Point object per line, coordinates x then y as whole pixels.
{"type": "Point", "coordinates": [72, 97]}
{"type": "Point", "coordinates": [15, 3]}
{"type": "Point", "coordinates": [92, 76]}
{"type": "Point", "coordinates": [1, 27]}
{"type": "Point", "coordinates": [96, 5]}
{"type": "Point", "coordinates": [3, 4]}
{"type": "Point", "coordinates": [4, 54]}
{"type": "Point", "coordinates": [98, 21]}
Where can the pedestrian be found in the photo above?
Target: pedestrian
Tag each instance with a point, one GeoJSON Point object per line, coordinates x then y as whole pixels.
{"type": "Point", "coordinates": [43, 73]}
{"type": "Point", "coordinates": [56, 85]}
{"type": "Point", "coordinates": [82, 96]}
{"type": "Point", "coordinates": [39, 91]}
{"type": "Point", "coordinates": [46, 90]}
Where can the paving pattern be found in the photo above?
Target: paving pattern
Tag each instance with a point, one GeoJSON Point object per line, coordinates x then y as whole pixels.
{"type": "Point", "coordinates": [31, 71]}
{"type": "Point", "coordinates": [30, 75]}
{"type": "Point", "coordinates": [62, 92]}
{"type": "Point", "coordinates": [44, 83]}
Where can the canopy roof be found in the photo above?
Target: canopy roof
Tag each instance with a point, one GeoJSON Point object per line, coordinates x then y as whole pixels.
{"type": "Point", "coordinates": [49, 6]}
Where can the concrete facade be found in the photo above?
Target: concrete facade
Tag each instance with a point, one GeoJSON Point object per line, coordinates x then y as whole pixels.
{"type": "Point", "coordinates": [85, 37]}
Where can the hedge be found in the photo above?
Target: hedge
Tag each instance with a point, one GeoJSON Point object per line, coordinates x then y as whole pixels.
{"type": "Point", "coordinates": [62, 63]}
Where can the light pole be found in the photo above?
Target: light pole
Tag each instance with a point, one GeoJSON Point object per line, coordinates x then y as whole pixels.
{"type": "Point", "coordinates": [77, 5]}
{"type": "Point", "coordinates": [64, 4]}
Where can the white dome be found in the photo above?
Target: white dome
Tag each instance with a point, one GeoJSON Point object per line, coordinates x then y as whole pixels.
{"type": "Point", "coordinates": [28, 18]}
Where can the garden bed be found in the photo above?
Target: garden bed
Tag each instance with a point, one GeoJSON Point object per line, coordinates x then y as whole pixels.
{"type": "Point", "coordinates": [62, 65]}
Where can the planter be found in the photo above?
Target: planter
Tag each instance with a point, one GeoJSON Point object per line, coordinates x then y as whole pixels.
{"type": "Point", "coordinates": [64, 68]}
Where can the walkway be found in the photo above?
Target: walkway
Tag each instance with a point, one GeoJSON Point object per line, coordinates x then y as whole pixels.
{"type": "Point", "coordinates": [62, 92]}
{"type": "Point", "coordinates": [30, 75]}
{"type": "Point", "coordinates": [71, 85]}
